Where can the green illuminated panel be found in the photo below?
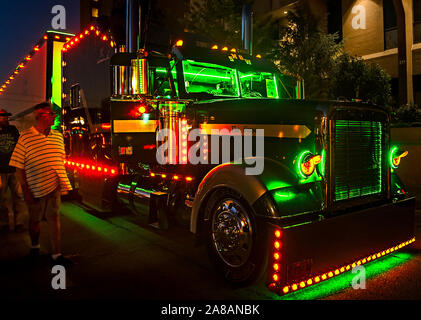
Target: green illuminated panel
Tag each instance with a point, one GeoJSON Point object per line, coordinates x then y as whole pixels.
{"type": "Point", "coordinates": [358, 163]}
{"type": "Point", "coordinates": [56, 81]}
{"type": "Point", "coordinates": [258, 85]}
{"type": "Point", "coordinates": [210, 78]}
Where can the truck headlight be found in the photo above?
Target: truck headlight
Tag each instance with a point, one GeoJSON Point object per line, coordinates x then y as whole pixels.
{"type": "Point", "coordinates": [395, 157]}
{"type": "Point", "coordinates": [307, 163]}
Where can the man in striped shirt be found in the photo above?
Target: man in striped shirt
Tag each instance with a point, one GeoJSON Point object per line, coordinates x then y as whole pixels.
{"type": "Point", "coordinates": [38, 158]}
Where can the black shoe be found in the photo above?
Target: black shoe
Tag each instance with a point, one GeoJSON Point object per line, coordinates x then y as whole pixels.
{"type": "Point", "coordinates": [62, 261]}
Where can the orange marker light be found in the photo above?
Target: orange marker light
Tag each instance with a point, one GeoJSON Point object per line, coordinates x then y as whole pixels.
{"type": "Point", "coordinates": [278, 233]}
{"type": "Point", "coordinates": [276, 256]}
{"type": "Point", "coordinates": [224, 49]}
{"type": "Point", "coordinates": [214, 47]}
{"type": "Point", "coordinates": [188, 179]}
{"type": "Point", "coordinates": [179, 43]}
{"type": "Point", "coordinates": [277, 244]}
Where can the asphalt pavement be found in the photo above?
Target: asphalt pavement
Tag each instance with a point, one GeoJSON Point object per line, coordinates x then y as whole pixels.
{"type": "Point", "coordinates": [119, 256]}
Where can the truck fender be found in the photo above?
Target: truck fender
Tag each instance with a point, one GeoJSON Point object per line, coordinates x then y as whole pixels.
{"type": "Point", "coordinates": [232, 176]}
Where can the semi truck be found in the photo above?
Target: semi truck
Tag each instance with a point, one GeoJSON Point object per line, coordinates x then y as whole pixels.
{"type": "Point", "coordinates": [327, 197]}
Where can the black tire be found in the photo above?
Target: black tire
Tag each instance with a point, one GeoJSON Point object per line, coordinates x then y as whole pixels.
{"type": "Point", "coordinates": [235, 242]}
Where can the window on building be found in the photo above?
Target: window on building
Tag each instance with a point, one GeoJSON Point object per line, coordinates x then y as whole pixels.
{"type": "Point", "coordinates": [417, 21]}
{"type": "Point", "coordinates": [390, 25]}
{"type": "Point", "coordinates": [95, 12]}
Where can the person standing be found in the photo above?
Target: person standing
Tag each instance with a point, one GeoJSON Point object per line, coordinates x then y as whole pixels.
{"type": "Point", "coordinates": [38, 158]}
{"type": "Point", "coordinates": [14, 205]}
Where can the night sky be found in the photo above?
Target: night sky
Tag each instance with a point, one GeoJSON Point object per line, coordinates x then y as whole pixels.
{"type": "Point", "coordinates": [22, 24]}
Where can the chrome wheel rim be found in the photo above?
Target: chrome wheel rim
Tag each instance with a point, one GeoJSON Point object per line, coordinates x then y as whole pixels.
{"type": "Point", "coordinates": [232, 233]}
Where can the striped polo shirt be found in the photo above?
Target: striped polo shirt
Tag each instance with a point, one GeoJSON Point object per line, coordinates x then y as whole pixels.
{"type": "Point", "coordinates": [42, 159]}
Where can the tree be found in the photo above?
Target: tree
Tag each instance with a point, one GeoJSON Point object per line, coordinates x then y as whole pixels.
{"type": "Point", "coordinates": [306, 53]}
{"type": "Point", "coordinates": [354, 78]}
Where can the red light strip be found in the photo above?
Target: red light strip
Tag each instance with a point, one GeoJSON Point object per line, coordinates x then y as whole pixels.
{"type": "Point", "coordinates": [183, 134]}
{"type": "Point", "coordinates": [282, 290]}
{"type": "Point", "coordinates": [83, 35]}
{"type": "Point", "coordinates": [22, 64]}
{"type": "Point", "coordinates": [176, 177]}
{"type": "Point", "coordinates": [89, 167]}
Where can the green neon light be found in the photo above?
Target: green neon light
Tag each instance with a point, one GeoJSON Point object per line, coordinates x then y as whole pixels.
{"type": "Point", "coordinates": [300, 161]}
{"type": "Point", "coordinates": [207, 73]}
{"type": "Point", "coordinates": [344, 281]}
{"type": "Point", "coordinates": [161, 70]}
{"type": "Point", "coordinates": [322, 165]}
{"type": "Point", "coordinates": [56, 83]}
{"type": "Point", "coordinates": [272, 185]}
{"type": "Point", "coordinates": [59, 32]}
{"type": "Point", "coordinates": [284, 195]}
{"type": "Point", "coordinates": [276, 87]}
{"type": "Point", "coordinates": [392, 152]}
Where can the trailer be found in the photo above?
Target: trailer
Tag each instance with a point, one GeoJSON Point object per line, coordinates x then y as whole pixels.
{"type": "Point", "coordinates": [328, 197]}
{"type": "Point", "coordinates": [35, 79]}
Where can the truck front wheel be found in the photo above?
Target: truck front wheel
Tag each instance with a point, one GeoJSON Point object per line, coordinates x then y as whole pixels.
{"type": "Point", "coordinates": [234, 241]}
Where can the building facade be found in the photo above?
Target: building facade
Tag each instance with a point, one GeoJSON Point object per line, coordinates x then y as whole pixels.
{"type": "Point", "coordinates": [369, 28]}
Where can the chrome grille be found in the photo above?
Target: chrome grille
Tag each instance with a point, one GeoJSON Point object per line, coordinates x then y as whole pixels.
{"type": "Point", "coordinates": [358, 159]}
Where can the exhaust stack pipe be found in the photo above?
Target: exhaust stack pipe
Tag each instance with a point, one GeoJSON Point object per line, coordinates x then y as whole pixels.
{"type": "Point", "coordinates": [133, 25]}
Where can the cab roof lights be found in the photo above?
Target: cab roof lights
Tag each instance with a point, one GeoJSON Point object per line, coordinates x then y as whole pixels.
{"type": "Point", "coordinates": [76, 39]}
{"type": "Point", "coordinates": [35, 49]}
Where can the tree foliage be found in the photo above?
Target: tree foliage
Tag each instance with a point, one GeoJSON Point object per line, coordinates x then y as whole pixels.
{"type": "Point", "coordinates": [353, 78]}
{"type": "Point", "coordinates": [307, 53]}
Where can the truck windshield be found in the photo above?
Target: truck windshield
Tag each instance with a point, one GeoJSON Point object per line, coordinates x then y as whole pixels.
{"type": "Point", "coordinates": [258, 85]}
{"type": "Point", "coordinates": [209, 78]}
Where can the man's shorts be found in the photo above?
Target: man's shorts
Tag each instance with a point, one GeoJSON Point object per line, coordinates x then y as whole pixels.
{"type": "Point", "coordinates": [45, 208]}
